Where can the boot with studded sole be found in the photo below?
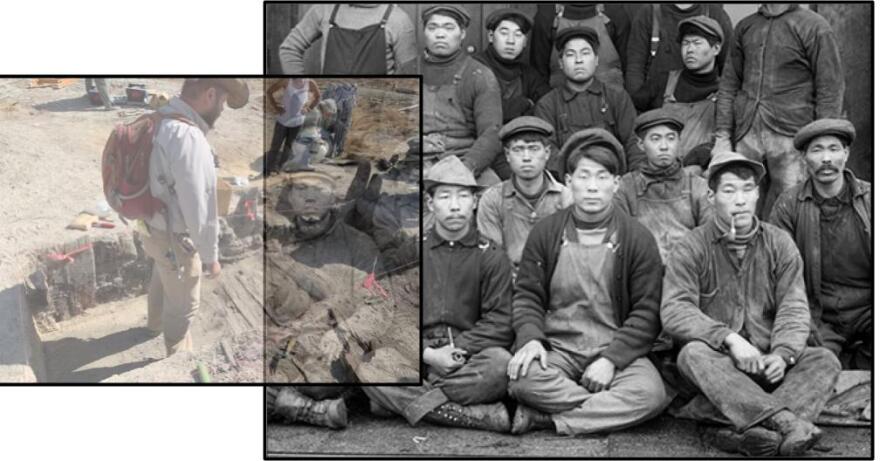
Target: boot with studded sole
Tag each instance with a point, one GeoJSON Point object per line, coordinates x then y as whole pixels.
{"type": "Point", "coordinates": [488, 417]}
{"type": "Point", "coordinates": [294, 406]}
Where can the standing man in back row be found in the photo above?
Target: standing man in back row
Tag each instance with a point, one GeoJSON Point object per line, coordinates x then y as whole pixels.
{"type": "Point", "coordinates": [462, 109]}
{"type": "Point", "coordinates": [183, 239]}
{"type": "Point", "coordinates": [783, 72]}
{"type": "Point", "coordinates": [359, 38]}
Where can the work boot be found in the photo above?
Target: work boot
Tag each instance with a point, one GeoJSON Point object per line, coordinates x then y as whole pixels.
{"type": "Point", "coordinates": [488, 417]}
{"type": "Point", "coordinates": [798, 435]}
{"type": "Point", "coordinates": [379, 410]}
{"type": "Point", "coordinates": [294, 406]}
{"type": "Point", "coordinates": [526, 419]}
{"type": "Point", "coordinates": [754, 441]}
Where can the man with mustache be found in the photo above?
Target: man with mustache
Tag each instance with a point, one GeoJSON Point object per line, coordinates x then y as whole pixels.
{"type": "Point", "coordinates": [462, 109]}
{"type": "Point", "coordinates": [829, 217]}
{"type": "Point", "coordinates": [586, 307]}
{"type": "Point", "coordinates": [733, 297]}
{"type": "Point", "coordinates": [585, 101]}
{"type": "Point", "coordinates": [466, 329]}
{"type": "Point", "coordinates": [508, 211]}
{"type": "Point", "coordinates": [783, 72]}
{"type": "Point", "coordinates": [667, 198]}
{"type": "Point", "coordinates": [183, 238]}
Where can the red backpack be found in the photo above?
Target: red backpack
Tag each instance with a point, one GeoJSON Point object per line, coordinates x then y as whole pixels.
{"type": "Point", "coordinates": [125, 166]}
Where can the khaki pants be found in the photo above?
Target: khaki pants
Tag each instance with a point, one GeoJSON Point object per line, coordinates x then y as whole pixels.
{"type": "Point", "coordinates": [172, 301]}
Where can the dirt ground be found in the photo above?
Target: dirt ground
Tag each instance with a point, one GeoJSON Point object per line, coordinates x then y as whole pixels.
{"type": "Point", "coordinates": [385, 116]}
{"type": "Point", "coordinates": [51, 142]}
{"type": "Point", "coordinates": [663, 437]}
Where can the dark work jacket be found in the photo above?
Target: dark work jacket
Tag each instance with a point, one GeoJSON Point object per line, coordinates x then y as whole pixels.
{"type": "Point", "coordinates": [796, 212]}
{"type": "Point", "coordinates": [784, 69]}
{"type": "Point", "coordinates": [635, 294]}
{"type": "Point", "coordinates": [468, 289]}
{"type": "Point", "coordinates": [534, 86]}
{"type": "Point", "coordinates": [641, 69]}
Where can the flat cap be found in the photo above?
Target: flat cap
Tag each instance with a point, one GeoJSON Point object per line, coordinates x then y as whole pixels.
{"type": "Point", "coordinates": [587, 33]}
{"type": "Point", "coordinates": [657, 117]}
{"type": "Point", "coordinates": [593, 137]}
{"type": "Point", "coordinates": [454, 11]}
{"type": "Point", "coordinates": [525, 124]}
{"type": "Point", "coordinates": [508, 13]}
{"type": "Point", "coordinates": [236, 89]}
{"type": "Point", "coordinates": [839, 127]}
{"type": "Point", "coordinates": [722, 159]}
{"type": "Point", "coordinates": [450, 171]}
{"type": "Point", "coordinates": [703, 25]}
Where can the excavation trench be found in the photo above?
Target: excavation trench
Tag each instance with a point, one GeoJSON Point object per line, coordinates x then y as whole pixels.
{"type": "Point", "coordinates": [82, 311]}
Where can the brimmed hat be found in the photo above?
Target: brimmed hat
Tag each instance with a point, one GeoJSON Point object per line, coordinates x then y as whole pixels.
{"type": "Point", "coordinates": [452, 172]}
{"type": "Point", "coordinates": [587, 33]}
{"type": "Point", "coordinates": [841, 128]}
{"type": "Point", "coordinates": [525, 124]}
{"type": "Point", "coordinates": [236, 89]}
{"type": "Point", "coordinates": [723, 159]}
{"type": "Point", "coordinates": [657, 117]}
{"type": "Point", "coordinates": [593, 137]}
{"type": "Point", "coordinates": [506, 13]}
{"type": "Point", "coordinates": [310, 177]}
{"type": "Point", "coordinates": [704, 25]}
{"type": "Point", "coordinates": [454, 11]}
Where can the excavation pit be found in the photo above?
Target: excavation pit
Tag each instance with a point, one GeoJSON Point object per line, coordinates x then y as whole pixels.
{"type": "Point", "coordinates": [82, 311]}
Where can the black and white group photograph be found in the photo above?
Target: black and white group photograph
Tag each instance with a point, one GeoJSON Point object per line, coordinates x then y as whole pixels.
{"type": "Point", "coordinates": [645, 231]}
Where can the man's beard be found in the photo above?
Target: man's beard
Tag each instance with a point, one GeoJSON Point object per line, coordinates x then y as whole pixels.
{"type": "Point", "coordinates": [211, 116]}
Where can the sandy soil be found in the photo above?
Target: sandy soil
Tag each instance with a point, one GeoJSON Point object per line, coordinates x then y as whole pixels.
{"type": "Point", "coordinates": [51, 141]}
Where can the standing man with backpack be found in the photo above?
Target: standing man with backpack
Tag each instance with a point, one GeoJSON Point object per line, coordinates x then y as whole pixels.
{"type": "Point", "coordinates": [182, 238]}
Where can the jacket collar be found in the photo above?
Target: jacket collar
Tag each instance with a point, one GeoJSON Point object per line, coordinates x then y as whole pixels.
{"type": "Point", "coordinates": [471, 239]}
{"type": "Point", "coordinates": [718, 234]}
{"type": "Point", "coordinates": [595, 87]}
{"type": "Point", "coordinates": [509, 190]}
{"type": "Point", "coordinates": [858, 189]}
{"type": "Point", "coordinates": [179, 106]}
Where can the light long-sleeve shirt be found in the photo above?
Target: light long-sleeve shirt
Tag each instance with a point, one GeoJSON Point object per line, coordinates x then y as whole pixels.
{"type": "Point", "coordinates": [400, 40]}
{"type": "Point", "coordinates": [183, 160]}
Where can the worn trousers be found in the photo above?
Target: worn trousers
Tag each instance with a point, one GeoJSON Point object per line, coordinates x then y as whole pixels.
{"type": "Point", "coordinates": [173, 298]}
{"type": "Point", "coordinates": [636, 394]}
{"type": "Point", "coordinates": [730, 396]}
{"type": "Point", "coordinates": [282, 144]}
{"type": "Point", "coordinates": [483, 379]}
{"type": "Point", "coordinates": [100, 84]}
{"type": "Point", "coordinates": [785, 165]}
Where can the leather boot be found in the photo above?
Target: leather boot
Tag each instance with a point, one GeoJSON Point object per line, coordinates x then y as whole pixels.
{"type": "Point", "coordinates": [293, 406]}
{"type": "Point", "coordinates": [754, 441]}
{"type": "Point", "coordinates": [488, 417]}
{"type": "Point", "coordinates": [526, 419]}
{"type": "Point", "coordinates": [798, 435]}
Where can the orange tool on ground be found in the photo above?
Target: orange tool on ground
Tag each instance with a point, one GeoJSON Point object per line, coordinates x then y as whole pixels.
{"type": "Point", "coordinates": [60, 257]}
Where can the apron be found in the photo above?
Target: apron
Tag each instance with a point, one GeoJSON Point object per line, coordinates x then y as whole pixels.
{"type": "Point", "coordinates": [443, 120]}
{"type": "Point", "coordinates": [609, 69]}
{"type": "Point", "coordinates": [581, 320]}
{"type": "Point", "coordinates": [699, 116]}
{"type": "Point", "coordinates": [355, 51]}
{"type": "Point", "coordinates": [667, 219]}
